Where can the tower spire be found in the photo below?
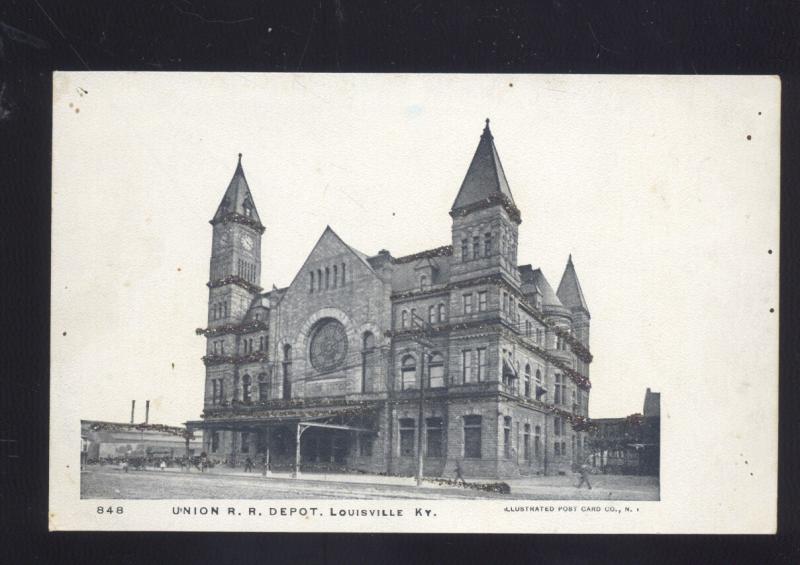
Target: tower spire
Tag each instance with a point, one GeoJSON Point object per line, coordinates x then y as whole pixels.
{"type": "Point", "coordinates": [569, 289]}
{"type": "Point", "coordinates": [485, 183]}
{"type": "Point", "coordinates": [238, 200]}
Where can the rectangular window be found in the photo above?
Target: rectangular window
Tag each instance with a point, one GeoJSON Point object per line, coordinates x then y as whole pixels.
{"type": "Point", "coordinates": [436, 376]}
{"type": "Point", "coordinates": [505, 302]}
{"type": "Point", "coordinates": [214, 442]}
{"type": "Point", "coordinates": [464, 250]}
{"type": "Point", "coordinates": [481, 364]}
{"type": "Point", "coordinates": [409, 378]}
{"type": "Point", "coordinates": [557, 448]}
{"type": "Point", "coordinates": [487, 244]}
{"type": "Point", "coordinates": [433, 430]}
{"type": "Point", "coordinates": [214, 391]}
{"type": "Point", "coordinates": [526, 445]}
{"type": "Point", "coordinates": [466, 366]}
{"type": "Point", "coordinates": [482, 301]}
{"type": "Point", "coordinates": [472, 437]}
{"type": "Point", "coordinates": [432, 313]}
{"type": "Point", "coordinates": [467, 300]}
{"type": "Point", "coordinates": [557, 393]}
{"type": "Point", "coordinates": [557, 426]}
{"type": "Point", "coordinates": [476, 246]}
{"type": "Point", "coordinates": [406, 437]}
{"type": "Point", "coordinates": [245, 442]}
{"type": "Point", "coordinates": [507, 437]}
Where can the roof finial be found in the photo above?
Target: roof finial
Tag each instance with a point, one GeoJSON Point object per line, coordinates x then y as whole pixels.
{"type": "Point", "coordinates": [240, 157]}
{"type": "Point", "coordinates": [486, 131]}
{"type": "Point", "coordinates": [570, 258]}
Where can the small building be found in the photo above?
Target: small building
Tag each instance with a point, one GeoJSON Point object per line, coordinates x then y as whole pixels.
{"type": "Point", "coordinates": [103, 441]}
{"type": "Point", "coordinates": [629, 445]}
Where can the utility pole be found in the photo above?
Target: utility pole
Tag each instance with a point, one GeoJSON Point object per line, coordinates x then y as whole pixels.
{"type": "Point", "coordinates": [420, 338]}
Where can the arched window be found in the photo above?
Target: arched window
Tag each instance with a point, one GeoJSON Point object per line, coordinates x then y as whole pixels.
{"type": "Point", "coordinates": [319, 279]}
{"type": "Point", "coordinates": [236, 387]}
{"type": "Point", "coordinates": [344, 279]}
{"type": "Point", "coordinates": [441, 313]}
{"type": "Point", "coordinates": [327, 278]}
{"type": "Point", "coordinates": [408, 373]}
{"type": "Point", "coordinates": [432, 313]}
{"type": "Point", "coordinates": [527, 381]}
{"type": "Point", "coordinates": [246, 383]}
{"type": "Point", "coordinates": [287, 370]}
{"type": "Point", "coordinates": [367, 349]}
{"type": "Point", "coordinates": [263, 387]}
{"type": "Point", "coordinates": [423, 282]}
{"type": "Point", "coordinates": [335, 275]}
{"type": "Point", "coordinates": [311, 281]}
{"type": "Point", "coordinates": [436, 370]}
{"type": "Point", "coordinates": [404, 319]}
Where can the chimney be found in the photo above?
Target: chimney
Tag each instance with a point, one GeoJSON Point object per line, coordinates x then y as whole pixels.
{"type": "Point", "coordinates": [133, 408]}
{"type": "Point", "coordinates": [146, 411]}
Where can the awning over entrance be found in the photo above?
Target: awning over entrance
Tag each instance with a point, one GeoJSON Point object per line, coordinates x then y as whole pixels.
{"type": "Point", "coordinates": [305, 414]}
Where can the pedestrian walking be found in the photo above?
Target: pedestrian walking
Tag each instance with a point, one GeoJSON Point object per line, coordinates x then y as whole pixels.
{"type": "Point", "coordinates": [248, 465]}
{"type": "Point", "coordinates": [163, 465]}
{"type": "Point", "coordinates": [584, 473]}
{"type": "Point", "coordinates": [459, 475]}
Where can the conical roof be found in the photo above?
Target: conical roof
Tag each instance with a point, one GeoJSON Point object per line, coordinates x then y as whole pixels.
{"type": "Point", "coordinates": [237, 199]}
{"type": "Point", "coordinates": [569, 290]}
{"type": "Point", "coordinates": [485, 180]}
{"type": "Point", "coordinates": [549, 297]}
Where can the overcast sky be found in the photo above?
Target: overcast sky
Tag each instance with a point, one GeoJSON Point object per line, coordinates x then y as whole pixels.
{"type": "Point", "coordinates": [651, 183]}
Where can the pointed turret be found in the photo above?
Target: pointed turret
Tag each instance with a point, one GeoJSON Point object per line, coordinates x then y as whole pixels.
{"type": "Point", "coordinates": [485, 183]}
{"type": "Point", "coordinates": [238, 201]}
{"type": "Point", "coordinates": [569, 290]}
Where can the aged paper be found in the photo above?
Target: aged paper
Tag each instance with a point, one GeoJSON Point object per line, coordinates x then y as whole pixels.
{"type": "Point", "coordinates": [414, 303]}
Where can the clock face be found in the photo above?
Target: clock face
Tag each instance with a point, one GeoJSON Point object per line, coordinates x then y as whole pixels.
{"type": "Point", "coordinates": [247, 242]}
{"type": "Point", "coordinates": [328, 345]}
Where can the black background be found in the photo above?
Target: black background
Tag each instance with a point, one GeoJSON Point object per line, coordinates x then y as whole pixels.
{"type": "Point", "coordinates": [39, 36]}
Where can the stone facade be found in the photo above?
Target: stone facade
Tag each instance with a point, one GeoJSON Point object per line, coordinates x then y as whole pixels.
{"type": "Point", "coordinates": [338, 358]}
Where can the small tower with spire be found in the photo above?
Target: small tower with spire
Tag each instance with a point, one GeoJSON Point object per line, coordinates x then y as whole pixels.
{"type": "Point", "coordinates": [571, 296]}
{"type": "Point", "coordinates": [485, 219]}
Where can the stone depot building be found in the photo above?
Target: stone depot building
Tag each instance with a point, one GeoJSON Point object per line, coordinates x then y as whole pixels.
{"type": "Point", "coordinates": [327, 371]}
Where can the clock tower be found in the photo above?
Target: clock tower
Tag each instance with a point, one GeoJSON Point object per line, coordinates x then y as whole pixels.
{"type": "Point", "coordinates": [235, 270]}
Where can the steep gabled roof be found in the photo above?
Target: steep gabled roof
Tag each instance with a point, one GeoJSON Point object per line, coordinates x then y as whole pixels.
{"type": "Point", "coordinates": [237, 199]}
{"type": "Point", "coordinates": [485, 180]}
{"type": "Point", "coordinates": [569, 290]}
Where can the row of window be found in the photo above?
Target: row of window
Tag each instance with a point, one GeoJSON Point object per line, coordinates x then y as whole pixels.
{"type": "Point", "coordinates": [219, 310]}
{"type": "Point", "coordinates": [327, 278]}
{"type": "Point", "coordinates": [435, 443]}
{"type": "Point", "coordinates": [466, 302]}
{"type": "Point", "coordinates": [246, 270]}
{"type": "Point", "coordinates": [436, 313]}
{"type": "Point", "coordinates": [264, 388]}
{"type": "Point", "coordinates": [248, 345]}
{"type": "Point", "coordinates": [477, 246]}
